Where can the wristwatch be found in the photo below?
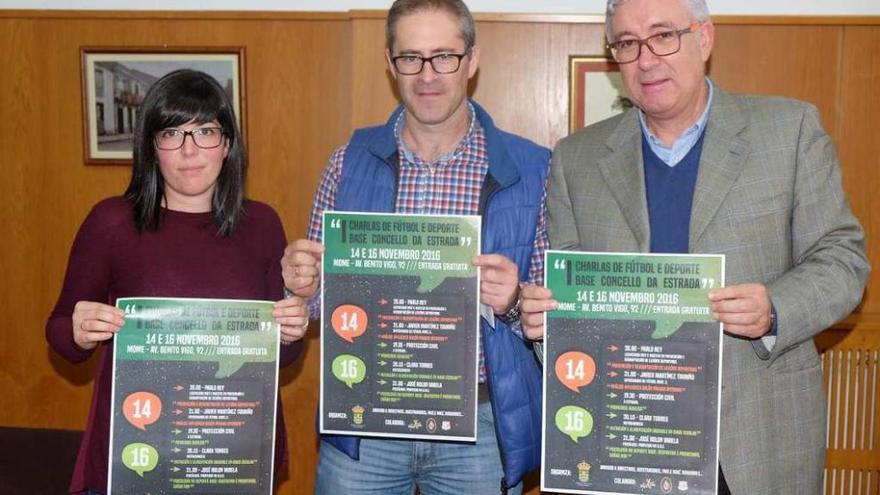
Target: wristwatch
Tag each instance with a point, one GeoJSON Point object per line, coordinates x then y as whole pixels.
{"type": "Point", "coordinates": [513, 314]}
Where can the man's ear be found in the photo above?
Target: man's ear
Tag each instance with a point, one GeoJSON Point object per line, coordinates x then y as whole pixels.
{"type": "Point", "coordinates": [474, 61]}
{"type": "Point", "coordinates": [707, 39]}
{"type": "Point", "coordinates": [390, 63]}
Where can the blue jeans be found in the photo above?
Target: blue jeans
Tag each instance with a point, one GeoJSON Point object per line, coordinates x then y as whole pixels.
{"type": "Point", "coordinates": [395, 467]}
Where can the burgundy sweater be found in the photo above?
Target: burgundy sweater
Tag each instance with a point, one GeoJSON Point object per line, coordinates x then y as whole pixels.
{"type": "Point", "coordinates": [184, 258]}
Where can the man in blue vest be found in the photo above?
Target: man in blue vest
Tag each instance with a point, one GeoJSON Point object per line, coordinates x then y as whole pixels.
{"type": "Point", "coordinates": [695, 169]}
{"type": "Point", "coordinates": [440, 153]}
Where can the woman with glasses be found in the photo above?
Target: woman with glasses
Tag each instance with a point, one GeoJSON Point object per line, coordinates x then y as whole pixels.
{"type": "Point", "coordinates": [183, 228]}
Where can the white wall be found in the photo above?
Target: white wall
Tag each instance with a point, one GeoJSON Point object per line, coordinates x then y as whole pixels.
{"type": "Point", "coordinates": [722, 7]}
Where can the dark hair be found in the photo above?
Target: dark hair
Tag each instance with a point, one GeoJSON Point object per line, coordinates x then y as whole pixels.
{"type": "Point", "coordinates": [457, 8]}
{"type": "Point", "coordinates": [177, 98]}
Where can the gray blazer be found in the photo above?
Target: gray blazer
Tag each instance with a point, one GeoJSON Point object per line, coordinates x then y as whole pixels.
{"type": "Point", "coordinates": [769, 197]}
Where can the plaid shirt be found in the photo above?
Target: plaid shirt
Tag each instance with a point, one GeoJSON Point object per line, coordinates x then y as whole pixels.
{"type": "Point", "coordinates": [449, 186]}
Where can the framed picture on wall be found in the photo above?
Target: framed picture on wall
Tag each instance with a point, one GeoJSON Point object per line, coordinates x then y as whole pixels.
{"type": "Point", "coordinates": [595, 90]}
{"type": "Point", "coordinates": [115, 80]}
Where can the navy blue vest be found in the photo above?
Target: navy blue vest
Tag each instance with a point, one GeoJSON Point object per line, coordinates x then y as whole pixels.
{"type": "Point", "coordinates": [670, 192]}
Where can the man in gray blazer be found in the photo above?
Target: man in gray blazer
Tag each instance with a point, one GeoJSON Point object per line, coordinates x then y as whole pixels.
{"type": "Point", "coordinates": [695, 169]}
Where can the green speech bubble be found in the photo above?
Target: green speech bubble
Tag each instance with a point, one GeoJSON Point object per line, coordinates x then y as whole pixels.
{"type": "Point", "coordinates": [574, 421]}
{"type": "Point", "coordinates": [349, 369]}
{"type": "Point", "coordinates": [140, 458]}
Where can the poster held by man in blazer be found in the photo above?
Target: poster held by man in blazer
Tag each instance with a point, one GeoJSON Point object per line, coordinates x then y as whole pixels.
{"type": "Point", "coordinates": [695, 169]}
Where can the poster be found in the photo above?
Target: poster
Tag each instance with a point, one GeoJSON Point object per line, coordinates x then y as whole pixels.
{"type": "Point", "coordinates": [632, 374]}
{"type": "Point", "coordinates": [195, 386]}
{"type": "Point", "coordinates": [400, 326]}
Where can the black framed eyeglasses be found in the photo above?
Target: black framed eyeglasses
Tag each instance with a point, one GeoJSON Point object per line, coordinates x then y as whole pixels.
{"type": "Point", "coordinates": [661, 44]}
{"type": "Point", "coordinates": [203, 137]}
{"type": "Point", "coordinates": [442, 63]}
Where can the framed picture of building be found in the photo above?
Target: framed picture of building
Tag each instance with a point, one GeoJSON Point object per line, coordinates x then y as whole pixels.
{"type": "Point", "coordinates": [595, 90]}
{"type": "Point", "coordinates": [115, 80]}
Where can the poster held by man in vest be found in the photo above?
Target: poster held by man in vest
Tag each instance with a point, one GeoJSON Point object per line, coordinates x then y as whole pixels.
{"type": "Point", "coordinates": [632, 374]}
{"type": "Point", "coordinates": [400, 326]}
{"type": "Point", "coordinates": [194, 401]}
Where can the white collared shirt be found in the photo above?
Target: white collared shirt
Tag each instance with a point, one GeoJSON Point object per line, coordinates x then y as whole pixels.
{"type": "Point", "coordinates": [684, 143]}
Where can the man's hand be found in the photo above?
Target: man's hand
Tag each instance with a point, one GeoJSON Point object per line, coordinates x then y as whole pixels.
{"type": "Point", "coordinates": [293, 316]}
{"type": "Point", "coordinates": [535, 302]}
{"type": "Point", "coordinates": [744, 309]}
{"type": "Point", "coordinates": [499, 282]}
{"type": "Point", "coordinates": [301, 267]}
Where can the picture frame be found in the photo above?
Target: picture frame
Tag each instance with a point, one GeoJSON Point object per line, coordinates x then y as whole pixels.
{"type": "Point", "coordinates": [115, 79]}
{"type": "Point", "coordinates": [595, 90]}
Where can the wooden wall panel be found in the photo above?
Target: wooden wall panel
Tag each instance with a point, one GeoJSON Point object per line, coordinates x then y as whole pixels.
{"type": "Point", "coordinates": [374, 93]}
{"type": "Point", "coordinates": [312, 79]}
{"type": "Point", "coordinates": [795, 61]}
{"type": "Point", "coordinates": [530, 63]}
{"type": "Point", "coordinates": [859, 140]}
{"type": "Point", "coordinates": [298, 87]}
{"type": "Point", "coordinates": [46, 192]}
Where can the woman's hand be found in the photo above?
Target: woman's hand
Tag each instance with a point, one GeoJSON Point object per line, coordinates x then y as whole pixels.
{"type": "Point", "coordinates": [95, 322]}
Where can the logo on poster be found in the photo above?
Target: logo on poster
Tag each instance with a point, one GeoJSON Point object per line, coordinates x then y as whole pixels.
{"type": "Point", "coordinates": [584, 471]}
{"type": "Point", "coordinates": [358, 415]}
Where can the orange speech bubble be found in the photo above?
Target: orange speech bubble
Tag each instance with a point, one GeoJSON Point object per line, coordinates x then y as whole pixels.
{"type": "Point", "coordinates": [142, 409]}
{"type": "Point", "coordinates": [349, 321]}
{"type": "Point", "coordinates": [575, 369]}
